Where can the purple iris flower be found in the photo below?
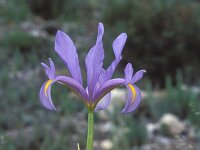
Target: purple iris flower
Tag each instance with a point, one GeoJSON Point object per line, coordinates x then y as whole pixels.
{"type": "Point", "coordinates": [97, 95]}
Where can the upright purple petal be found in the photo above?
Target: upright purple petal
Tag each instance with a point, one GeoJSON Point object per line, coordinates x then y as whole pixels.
{"type": "Point", "coordinates": [50, 71]}
{"type": "Point", "coordinates": [102, 76]}
{"type": "Point", "coordinates": [118, 46]}
{"type": "Point", "coordinates": [132, 102]}
{"type": "Point", "coordinates": [104, 102]}
{"type": "Point", "coordinates": [66, 49]}
{"type": "Point", "coordinates": [109, 72]}
{"type": "Point", "coordinates": [52, 66]}
{"type": "Point", "coordinates": [138, 76]}
{"type": "Point", "coordinates": [128, 73]}
{"type": "Point", "coordinates": [45, 67]}
{"type": "Point", "coordinates": [94, 61]}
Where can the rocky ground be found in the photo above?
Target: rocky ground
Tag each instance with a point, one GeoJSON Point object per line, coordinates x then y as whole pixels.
{"type": "Point", "coordinates": [168, 133]}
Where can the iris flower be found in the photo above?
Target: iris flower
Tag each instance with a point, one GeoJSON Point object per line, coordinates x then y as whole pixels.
{"type": "Point", "coordinates": [97, 94]}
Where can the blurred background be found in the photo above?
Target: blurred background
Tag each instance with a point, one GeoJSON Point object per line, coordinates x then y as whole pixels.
{"type": "Point", "coordinates": [163, 38]}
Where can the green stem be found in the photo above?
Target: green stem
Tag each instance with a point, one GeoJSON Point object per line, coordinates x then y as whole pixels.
{"type": "Point", "coordinates": [90, 134]}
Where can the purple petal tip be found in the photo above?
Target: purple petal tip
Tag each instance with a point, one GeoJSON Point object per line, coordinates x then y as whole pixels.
{"type": "Point", "coordinates": [44, 66]}
{"type": "Point", "coordinates": [101, 28]}
{"type": "Point", "coordinates": [100, 24]}
{"type": "Point", "coordinates": [124, 35]}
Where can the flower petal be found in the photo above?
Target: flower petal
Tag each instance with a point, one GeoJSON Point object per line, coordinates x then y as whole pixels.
{"type": "Point", "coordinates": [45, 96]}
{"type": "Point", "coordinates": [133, 99]}
{"type": "Point", "coordinates": [52, 66]}
{"type": "Point", "coordinates": [94, 61]}
{"type": "Point", "coordinates": [128, 73]}
{"type": "Point", "coordinates": [102, 76]}
{"type": "Point", "coordinates": [66, 49]}
{"type": "Point", "coordinates": [50, 71]}
{"type": "Point", "coordinates": [109, 72]}
{"type": "Point", "coordinates": [107, 87]}
{"type": "Point", "coordinates": [45, 67]}
{"type": "Point", "coordinates": [138, 76]}
{"type": "Point", "coordinates": [118, 46]}
{"type": "Point", "coordinates": [104, 102]}
{"type": "Point", "coordinates": [75, 86]}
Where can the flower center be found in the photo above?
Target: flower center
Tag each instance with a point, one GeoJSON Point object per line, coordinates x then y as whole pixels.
{"type": "Point", "coordinates": [133, 92]}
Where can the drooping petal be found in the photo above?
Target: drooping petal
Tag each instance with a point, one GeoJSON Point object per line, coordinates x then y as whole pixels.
{"type": "Point", "coordinates": [118, 46]}
{"type": "Point", "coordinates": [138, 76]}
{"type": "Point", "coordinates": [66, 49]}
{"type": "Point", "coordinates": [128, 73]}
{"type": "Point", "coordinates": [94, 61]}
{"type": "Point", "coordinates": [107, 87]}
{"type": "Point", "coordinates": [50, 71]}
{"type": "Point", "coordinates": [104, 102]}
{"type": "Point", "coordinates": [75, 86]}
{"type": "Point", "coordinates": [133, 99]}
{"type": "Point", "coordinates": [45, 95]}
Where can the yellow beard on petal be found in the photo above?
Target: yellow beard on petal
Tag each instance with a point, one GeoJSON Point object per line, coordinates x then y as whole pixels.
{"type": "Point", "coordinates": [46, 86]}
{"type": "Point", "coordinates": [133, 91]}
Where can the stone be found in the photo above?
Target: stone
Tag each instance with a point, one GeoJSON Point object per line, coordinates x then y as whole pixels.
{"type": "Point", "coordinates": [106, 145]}
{"type": "Point", "coordinates": [152, 128]}
{"type": "Point", "coordinates": [171, 125]}
{"type": "Point", "coordinates": [150, 147]}
{"type": "Point", "coordinates": [162, 140]}
{"type": "Point", "coordinates": [108, 127]}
